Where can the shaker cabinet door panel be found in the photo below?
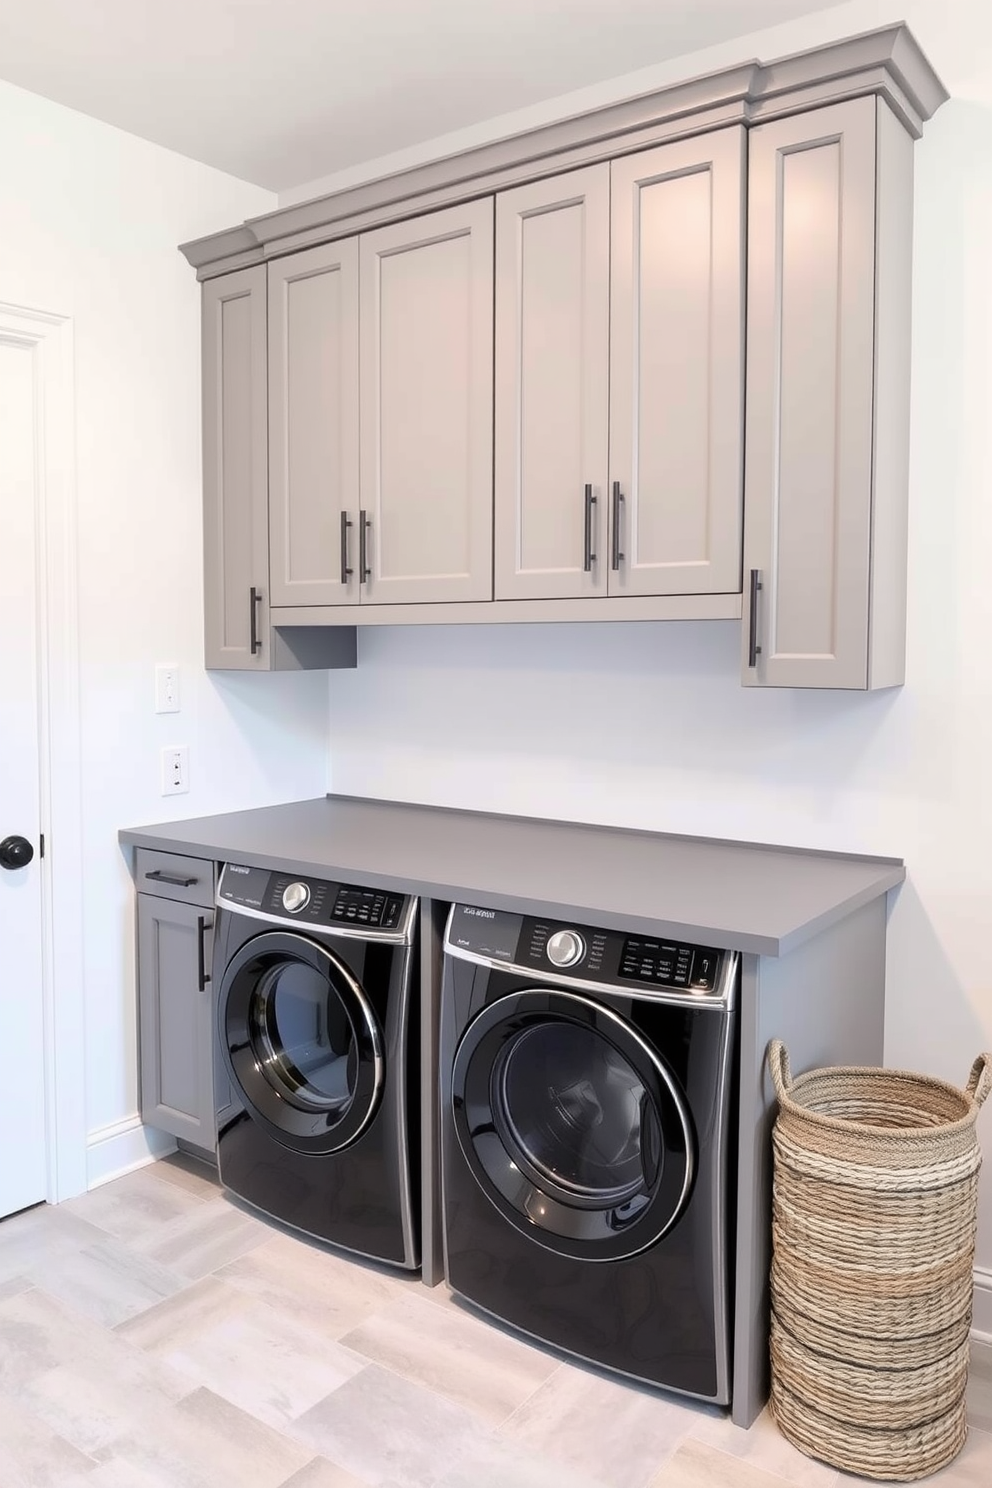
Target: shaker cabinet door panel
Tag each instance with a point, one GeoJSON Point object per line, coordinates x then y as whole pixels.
{"type": "Point", "coordinates": [176, 1019]}
{"type": "Point", "coordinates": [313, 425]}
{"type": "Point", "coordinates": [552, 386]}
{"type": "Point", "coordinates": [677, 367]}
{"type": "Point", "coordinates": [235, 473]}
{"type": "Point", "coordinates": [427, 408]}
{"type": "Point", "coordinates": [811, 350]}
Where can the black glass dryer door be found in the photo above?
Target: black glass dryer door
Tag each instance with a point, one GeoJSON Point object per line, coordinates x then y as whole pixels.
{"type": "Point", "coordinates": [301, 1042]}
{"type": "Point", "coordinates": [572, 1124]}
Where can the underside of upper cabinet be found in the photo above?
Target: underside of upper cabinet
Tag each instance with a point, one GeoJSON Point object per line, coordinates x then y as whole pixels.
{"type": "Point", "coordinates": [648, 363]}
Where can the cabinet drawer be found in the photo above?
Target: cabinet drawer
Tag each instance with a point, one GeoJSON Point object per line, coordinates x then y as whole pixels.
{"type": "Point", "coordinates": [173, 876]}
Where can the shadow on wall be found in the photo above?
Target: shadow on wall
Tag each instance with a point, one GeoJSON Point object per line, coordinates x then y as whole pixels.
{"type": "Point", "coordinates": [933, 1023]}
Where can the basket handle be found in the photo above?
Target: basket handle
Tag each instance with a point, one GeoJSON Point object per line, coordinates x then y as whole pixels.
{"type": "Point", "coordinates": [980, 1080]}
{"type": "Point", "coordinates": [778, 1065]}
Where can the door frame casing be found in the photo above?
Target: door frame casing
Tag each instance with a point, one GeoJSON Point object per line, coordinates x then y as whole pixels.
{"type": "Point", "coordinates": [49, 337]}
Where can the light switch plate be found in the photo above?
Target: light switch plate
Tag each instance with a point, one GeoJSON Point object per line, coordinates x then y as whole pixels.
{"type": "Point", "coordinates": [175, 770]}
{"type": "Point", "coordinates": [167, 688]}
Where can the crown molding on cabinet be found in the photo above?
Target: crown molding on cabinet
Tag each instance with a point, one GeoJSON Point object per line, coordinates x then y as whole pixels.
{"type": "Point", "coordinates": [887, 62]}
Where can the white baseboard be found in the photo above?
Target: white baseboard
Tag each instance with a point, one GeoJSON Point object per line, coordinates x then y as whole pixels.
{"type": "Point", "coordinates": [112, 1151]}
{"type": "Point", "coordinates": [981, 1320]}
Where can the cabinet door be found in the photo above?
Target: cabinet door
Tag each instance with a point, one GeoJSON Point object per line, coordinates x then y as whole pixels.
{"type": "Point", "coordinates": [235, 473]}
{"type": "Point", "coordinates": [676, 367]}
{"type": "Point", "coordinates": [313, 426]}
{"type": "Point", "coordinates": [427, 407]}
{"type": "Point", "coordinates": [811, 287]}
{"type": "Point", "coordinates": [552, 386]}
{"type": "Point", "coordinates": [175, 1028]}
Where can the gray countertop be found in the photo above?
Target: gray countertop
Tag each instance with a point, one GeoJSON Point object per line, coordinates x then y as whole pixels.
{"type": "Point", "coordinates": [746, 896]}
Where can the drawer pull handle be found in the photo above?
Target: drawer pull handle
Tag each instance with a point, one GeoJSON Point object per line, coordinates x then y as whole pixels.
{"type": "Point", "coordinates": [617, 556]}
{"type": "Point", "coordinates": [158, 875]}
{"type": "Point", "coordinates": [345, 570]}
{"type": "Point", "coordinates": [588, 556]}
{"type": "Point", "coordinates": [364, 528]}
{"type": "Point", "coordinates": [753, 649]}
{"type": "Point", "coordinates": [202, 975]}
{"type": "Point", "coordinates": [256, 600]}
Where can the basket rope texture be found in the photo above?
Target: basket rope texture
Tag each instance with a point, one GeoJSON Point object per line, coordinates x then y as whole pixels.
{"type": "Point", "coordinates": [873, 1241]}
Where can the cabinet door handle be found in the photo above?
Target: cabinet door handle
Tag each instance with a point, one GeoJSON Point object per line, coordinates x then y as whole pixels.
{"type": "Point", "coordinates": [256, 600]}
{"type": "Point", "coordinates": [616, 557]}
{"type": "Point", "coordinates": [346, 572]}
{"type": "Point", "coordinates": [159, 875]}
{"type": "Point", "coordinates": [588, 556]}
{"type": "Point", "coordinates": [202, 975]}
{"type": "Point", "coordinates": [753, 649]}
{"type": "Point", "coordinates": [364, 528]}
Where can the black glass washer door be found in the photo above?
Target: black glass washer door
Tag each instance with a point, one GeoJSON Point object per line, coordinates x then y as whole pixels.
{"type": "Point", "coordinates": [572, 1124]}
{"type": "Point", "coordinates": [301, 1042]}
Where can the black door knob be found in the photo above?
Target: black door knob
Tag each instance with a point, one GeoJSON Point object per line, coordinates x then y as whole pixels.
{"type": "Point", "coordinates": [15, 852]}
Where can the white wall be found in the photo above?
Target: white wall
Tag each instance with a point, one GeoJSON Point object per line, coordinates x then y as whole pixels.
{"type": "Point", "coordinates": [648, 725]}
{"type": "Point", "coordinates": [89, 222]}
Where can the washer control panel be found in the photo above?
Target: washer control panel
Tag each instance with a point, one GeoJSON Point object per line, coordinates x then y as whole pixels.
{"type": "Point", "coordinates": [590, 955]}
{"type": "Point", "coordinates": [310, 901]}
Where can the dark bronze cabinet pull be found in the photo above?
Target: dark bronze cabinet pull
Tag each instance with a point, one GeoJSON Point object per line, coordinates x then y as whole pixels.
{"type": "Point", "coordinates": [159, 875]}
{"type": "Point", "coordinates": [364, 528]}
{"type": "Point", "coordinates": [588, 556]}
{"type": "Point", "coordinates": [256, 600]}
{"type": "Point", "coordinates": [616, 557]}
{"type": "Point", "coordinates": [346, 572]}
{"type": "Point", "coordinates": [202, 975]}
{"type": "Point", "coordinates": [753, 649]}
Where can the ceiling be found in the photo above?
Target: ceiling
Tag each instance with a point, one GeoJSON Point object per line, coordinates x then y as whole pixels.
{"type": "Point", "coordinates": [280, 92]}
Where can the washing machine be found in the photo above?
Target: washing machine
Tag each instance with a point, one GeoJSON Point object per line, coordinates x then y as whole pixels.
{"type": "Point", "coordinates": [317, 1023]}
{"type": "Point", "coordinates": [586, 1111]}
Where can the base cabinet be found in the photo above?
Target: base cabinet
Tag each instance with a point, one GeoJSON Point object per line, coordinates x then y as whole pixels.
{"type": "Point", "coordinates": [175, 1004]}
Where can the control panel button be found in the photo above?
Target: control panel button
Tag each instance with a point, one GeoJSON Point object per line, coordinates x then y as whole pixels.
{"type": "Point", "coordinates": [295, 896]}
{"type": "Point", "coordinates": [565, 948]}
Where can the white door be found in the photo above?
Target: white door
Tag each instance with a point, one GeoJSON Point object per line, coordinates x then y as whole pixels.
{"type": "Point", "coordinates": [23, 1175]}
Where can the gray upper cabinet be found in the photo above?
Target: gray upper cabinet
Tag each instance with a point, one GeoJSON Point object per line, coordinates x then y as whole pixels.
{"type": "Point", "coordinates": [677, 367]}
{"type": "Point", "coordinates": [235, 475]}
{"type": "Point", "coordinates": [552, 386]}
{"type": "Point", "coordinates": [830, 232]}
{"type": "Point", "coordinates": [426, 330]}
{"type": "Point", "coordinates": [313, 426]}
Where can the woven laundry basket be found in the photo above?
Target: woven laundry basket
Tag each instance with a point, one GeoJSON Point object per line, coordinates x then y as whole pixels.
{"type": "Point", "coordinates": [873, 1240]}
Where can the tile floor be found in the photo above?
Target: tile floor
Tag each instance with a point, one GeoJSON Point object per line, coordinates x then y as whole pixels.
{"type": "Point", "coordinates": [155, 1335]}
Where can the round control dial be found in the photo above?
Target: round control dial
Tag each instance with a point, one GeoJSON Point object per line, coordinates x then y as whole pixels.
{"type": "Point", "coordinates": [565, 948]}
{"type": "Point", "coordinates": [295, 896]}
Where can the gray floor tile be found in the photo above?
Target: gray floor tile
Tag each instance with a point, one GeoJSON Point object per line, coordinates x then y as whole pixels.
{"type": "Point", "coordinates": [323, 1474]}
{"type": "Point", "coordinates": [107, 1282]}
{"type": "Point", "coordinates": [202, 1239]}
{"type": "Point", "coordinates": [762, 1447]}
{"type": "Point", "coordinates": [134, 1206]}
{"type": "Point", "coordinates": [181, 1318]}
{"type": "Point", "coordinates": [267, 1364]}
{"type": "Point", "coordinates": [695, 1465]}
{"type": "Point", "coordinates": [386, 1429]}
{"type": "Point", "coordinates": [34, 1456]}
{"type": "Point", "coordinates": [614, 1432]}
{"type": "Point", "coordinates": [44, 1232]}
{"type": "Point", "coordinates": [454, 1353]}
{"type": "Point", "coordinates": [980, 1387]}
{"type": "Point", "coordinates": [317, 1286]}
{"type": "Point", "coordinates": [191, 1173]}
{"type": "Point", "coordinates": [500, 1464]}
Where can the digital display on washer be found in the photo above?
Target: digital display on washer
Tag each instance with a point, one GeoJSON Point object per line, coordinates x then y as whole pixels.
{"type": "Point", "coordinates": [668, 964]}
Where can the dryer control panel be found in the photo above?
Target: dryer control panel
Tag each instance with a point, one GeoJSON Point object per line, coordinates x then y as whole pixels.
{"type": "Point", "coordinates": [290, 898]}
{"type": "Point", "coordinates": [582, 953]}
